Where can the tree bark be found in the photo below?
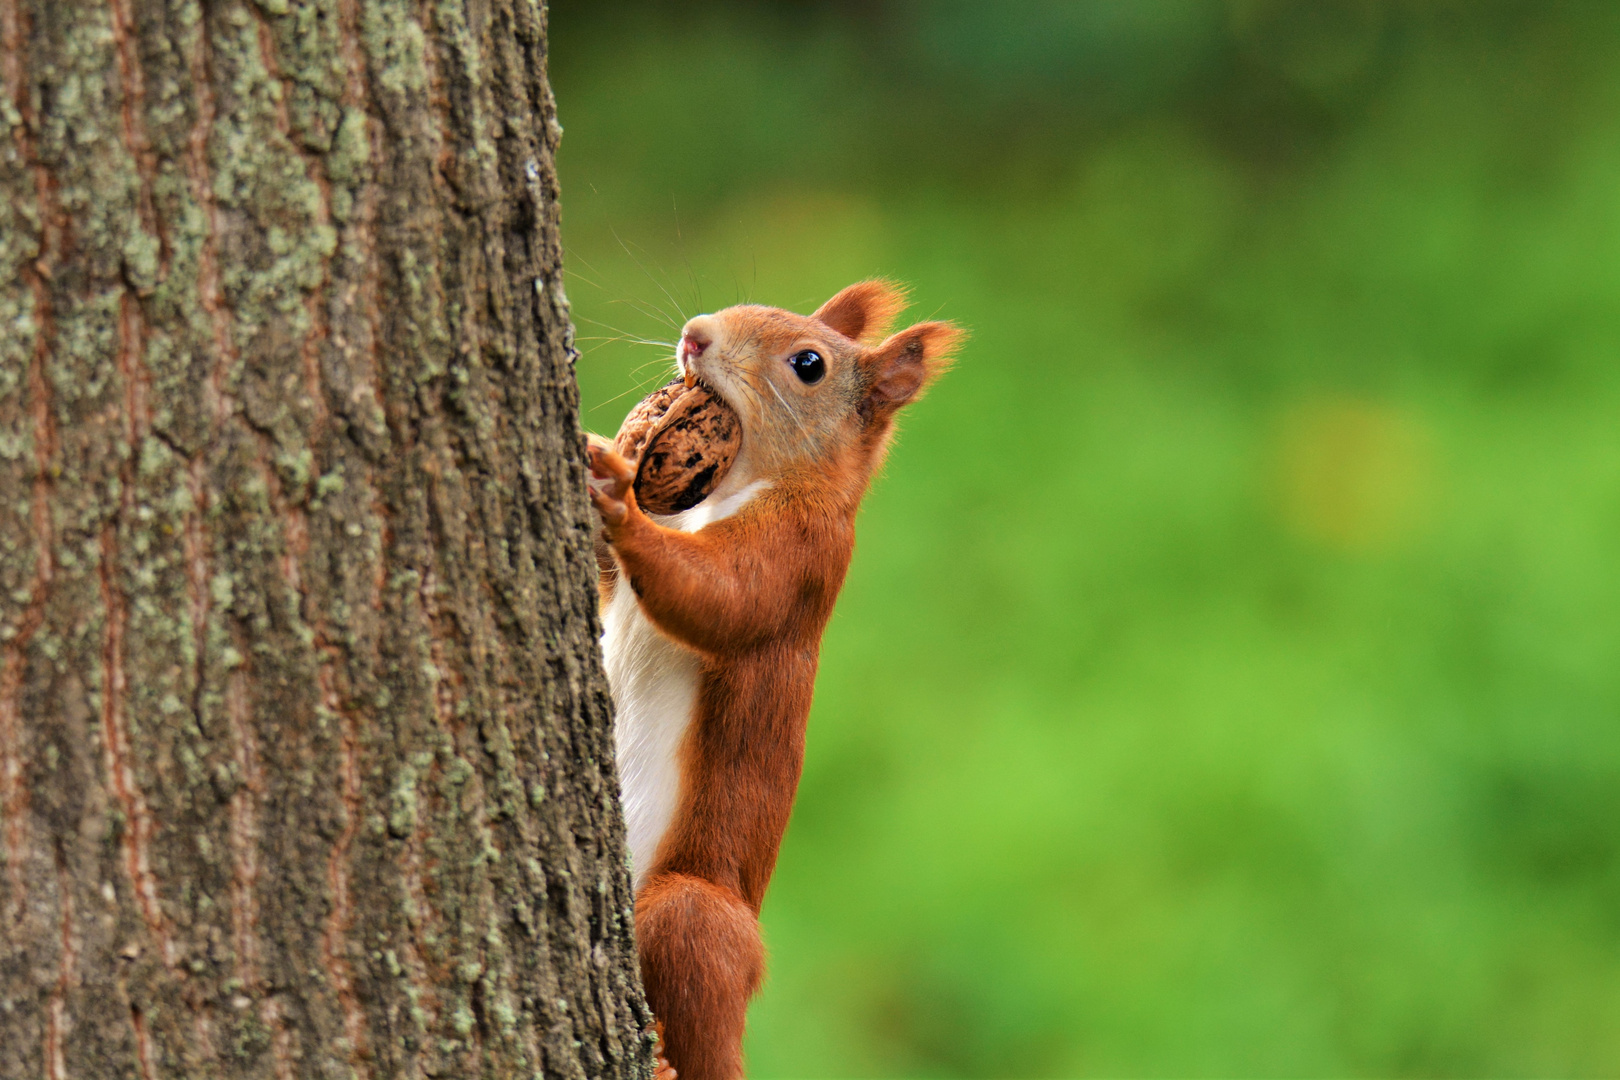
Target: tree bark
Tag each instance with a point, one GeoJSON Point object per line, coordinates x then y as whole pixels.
{"type": "Point", "coordinates": [305, 751]}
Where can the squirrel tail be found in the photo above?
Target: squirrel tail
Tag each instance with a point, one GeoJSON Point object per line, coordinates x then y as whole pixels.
{"type": "Point", "coordinates": [701, 960]}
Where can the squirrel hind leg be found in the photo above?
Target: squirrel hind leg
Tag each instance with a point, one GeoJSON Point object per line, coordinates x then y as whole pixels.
{"type": "Point", "coordinates": [701, 960]}
{"type": "Point", "coordinates": [662, 1069]}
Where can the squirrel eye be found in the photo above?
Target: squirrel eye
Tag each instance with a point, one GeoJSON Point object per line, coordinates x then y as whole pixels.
{"type": "Point", "coordinates": [808, 366]}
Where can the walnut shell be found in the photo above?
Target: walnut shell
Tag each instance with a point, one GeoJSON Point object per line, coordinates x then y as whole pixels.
{"type": "Point", "coordinates": [685, 440]}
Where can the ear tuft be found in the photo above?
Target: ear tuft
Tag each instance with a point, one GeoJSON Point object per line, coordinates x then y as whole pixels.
{"type": "Point", "coordinates": [902, 367]}
{"type": "Point", "coordinates": [864, 311]}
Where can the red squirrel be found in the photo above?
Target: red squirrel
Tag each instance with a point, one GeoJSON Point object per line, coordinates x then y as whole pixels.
{"type": "Point", "coordinates": [712, 624]}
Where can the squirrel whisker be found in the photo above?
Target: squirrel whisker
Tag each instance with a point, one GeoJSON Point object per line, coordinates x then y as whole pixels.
{"type": "Point", "coordinates": [749, 379]}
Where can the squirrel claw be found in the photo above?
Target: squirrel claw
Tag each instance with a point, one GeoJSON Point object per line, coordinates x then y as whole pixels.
{"type": "Point", "coordinates": [662, 1069]}
{"type": "Point", "coordinates": [607, 464]}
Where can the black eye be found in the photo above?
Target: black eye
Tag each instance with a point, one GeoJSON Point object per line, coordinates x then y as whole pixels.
{"type": "Point", "coordinates": [808, 366]}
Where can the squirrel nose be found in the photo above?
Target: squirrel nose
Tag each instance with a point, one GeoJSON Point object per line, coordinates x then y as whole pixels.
{"type": "Point", "coordinates": [693, 343]}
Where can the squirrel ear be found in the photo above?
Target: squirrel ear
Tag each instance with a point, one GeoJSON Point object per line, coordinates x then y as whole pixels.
{"type": "Point", "coordinates": [900, 368]}
{"type": "Point", "coordinates": [865, 310]}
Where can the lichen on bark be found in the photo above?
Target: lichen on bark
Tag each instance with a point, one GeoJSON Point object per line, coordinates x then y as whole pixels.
{"type": "Point", "coordinates": [305, 765]}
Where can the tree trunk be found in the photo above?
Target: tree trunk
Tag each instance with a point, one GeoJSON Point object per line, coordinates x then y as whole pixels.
{"type": "Point", "coordinates": [305, 760]}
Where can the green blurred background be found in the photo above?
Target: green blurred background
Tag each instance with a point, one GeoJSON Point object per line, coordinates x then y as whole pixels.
{"type": "Point", "coordinates": [1227, 679]}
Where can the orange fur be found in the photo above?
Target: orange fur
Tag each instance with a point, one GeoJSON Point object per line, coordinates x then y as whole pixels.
{"type": "Point", "coordinates": [864, 311]}
{"type": "Point", "coordinates": [750, 595]}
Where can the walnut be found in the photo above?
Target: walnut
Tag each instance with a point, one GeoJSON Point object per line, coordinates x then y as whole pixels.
{"type": "Point", "coordinates": [685, 440]}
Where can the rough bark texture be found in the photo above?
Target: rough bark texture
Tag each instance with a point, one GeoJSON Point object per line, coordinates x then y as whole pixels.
{"type": "Point", "coordinates": [305, 760]}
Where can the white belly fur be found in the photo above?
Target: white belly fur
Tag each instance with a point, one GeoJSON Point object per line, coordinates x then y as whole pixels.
{"type": "Point", "coordinates": [654, 680]}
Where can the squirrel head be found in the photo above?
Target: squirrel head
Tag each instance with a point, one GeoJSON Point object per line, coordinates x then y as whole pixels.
{"type": "Point", "coordinates": [812, 389]}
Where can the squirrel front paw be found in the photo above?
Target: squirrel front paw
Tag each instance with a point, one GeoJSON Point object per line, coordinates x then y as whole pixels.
{"type": "Point", "coordinates": [611, 485]}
